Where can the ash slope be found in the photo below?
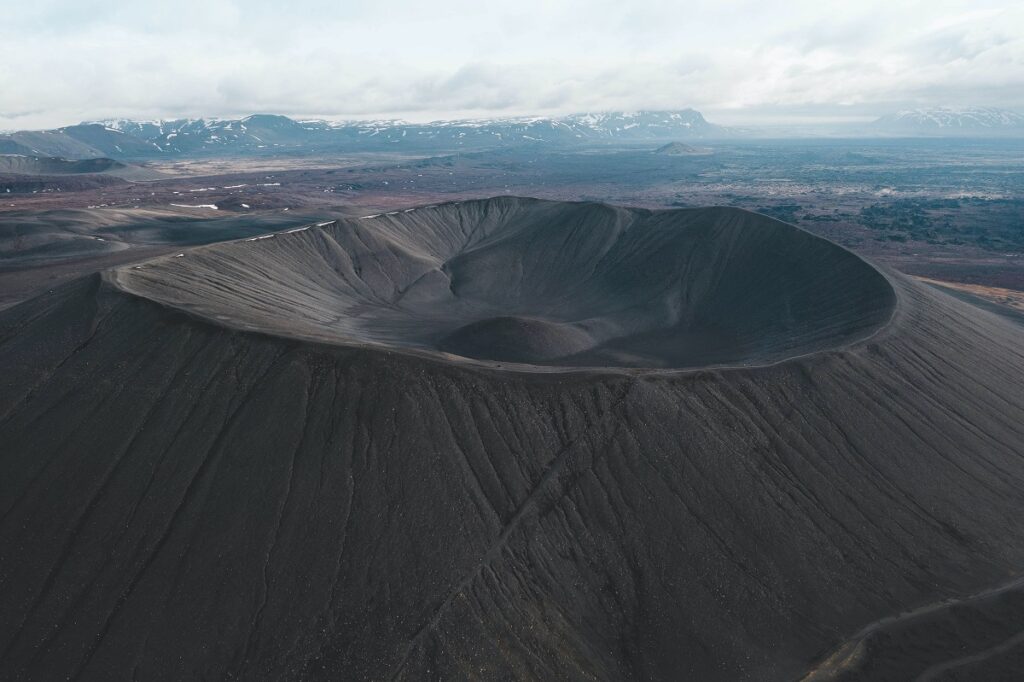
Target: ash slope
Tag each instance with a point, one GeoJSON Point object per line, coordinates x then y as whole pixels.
{"type": "Point", "coordinates": [185, 498]}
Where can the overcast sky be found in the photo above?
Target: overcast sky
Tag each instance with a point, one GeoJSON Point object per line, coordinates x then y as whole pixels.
{"type": "Point", "coordinates": [763, 61]}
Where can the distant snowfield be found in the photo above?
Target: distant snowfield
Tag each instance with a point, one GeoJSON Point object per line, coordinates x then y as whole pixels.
{"type": "Point", "coordinates": [960, 118]}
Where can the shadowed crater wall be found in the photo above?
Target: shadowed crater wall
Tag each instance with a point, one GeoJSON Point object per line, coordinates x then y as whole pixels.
{"type": "Point", "coordinates": [537, 282]}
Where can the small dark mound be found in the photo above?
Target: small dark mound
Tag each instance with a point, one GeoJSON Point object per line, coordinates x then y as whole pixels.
{"type": "Point", "coordinates": [516, 339]}
{"type": "Point", "coordinates": [680, 149]}
{"type": "Point", "coordinates": [52, 165]}
{"type": "Point", "coordinates": [26, 183]}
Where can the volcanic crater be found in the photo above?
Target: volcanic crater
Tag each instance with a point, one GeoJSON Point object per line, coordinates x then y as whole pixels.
{"type": "Point", "coordinates": [512, 280]}
{"type": "Point", "coordinates": [716, 448]}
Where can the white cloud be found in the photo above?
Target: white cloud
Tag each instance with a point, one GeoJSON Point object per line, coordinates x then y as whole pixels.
{"type": "Point", "coordinates": [68, 60]}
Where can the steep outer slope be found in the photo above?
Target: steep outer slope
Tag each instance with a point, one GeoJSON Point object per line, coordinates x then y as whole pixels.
{"type": "Point", "coordinates": [185, 499]}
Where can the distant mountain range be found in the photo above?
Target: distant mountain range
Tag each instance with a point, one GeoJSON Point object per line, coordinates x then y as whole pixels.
{"type": "Point", "coordinates": [126, 139]}
{"type": "Point", "coordinates": [270, 133]}
{"type": "Point", "coordinates": [952, 121]}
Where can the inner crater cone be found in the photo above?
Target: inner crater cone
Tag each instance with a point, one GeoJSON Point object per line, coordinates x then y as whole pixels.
{"type": "Point", "coordinates": [543, 283]}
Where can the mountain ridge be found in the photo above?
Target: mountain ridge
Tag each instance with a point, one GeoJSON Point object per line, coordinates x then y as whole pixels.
{"type": "Point", "coordinates": [952, 121]}
{"type": "Point", "coordinates": [265, 133]}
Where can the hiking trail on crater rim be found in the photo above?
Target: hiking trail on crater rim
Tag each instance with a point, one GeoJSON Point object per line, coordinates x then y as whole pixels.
{"type": "Point", "coordinates": [510, 438]}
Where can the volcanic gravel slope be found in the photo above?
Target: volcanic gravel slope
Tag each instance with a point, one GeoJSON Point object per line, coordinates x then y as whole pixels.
{"type": "Point", "coordinates": [723, 448]}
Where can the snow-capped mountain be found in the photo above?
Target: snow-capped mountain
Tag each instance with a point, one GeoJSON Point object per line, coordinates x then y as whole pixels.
{"type": "Point", "coordinates": [266, 132]}
{"type": "Point", "coordinates": [952, 121]}
{"type": "Point", "coordinates": [257, 131]}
